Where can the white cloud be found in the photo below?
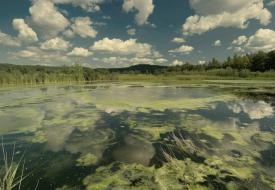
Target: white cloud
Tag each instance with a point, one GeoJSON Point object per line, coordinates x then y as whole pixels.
{"type": "Point", "coordinates": [80, 52]}
{"type": "Point", "coordinates": [131, 31]}
{"type": "Point", "coordinates": [69, 33]}
{"type": "Point", "coordinates": [184, 49]}
{"type": "Point", "coordinates": [213, 14]}
{"type": "Point", "coordinates": [202, 62]}
{"type": "Point", "coordinates": [127, 47]}
{"type": "Point", "coordinates": [40, 56]}
{"type": "Point", "coordinates": [8, 40]}
{"type": "Point", "coordinates": [88, 5]}
{"type": "Point", "coordinates": [46, 18]}
{"type": "Point", "coordinates": [26, 54]}
{"type": "Point", "coordinates": [26, 34]}
{"type": "Point", "coordinates": [177, 63]}
{"type": "Point", "coordinates": [83, 27]}
{"type": "Point", "coordinates": [178, 40]}
{"type": "Point", "coordinates": [217, 43]}
{"type": "Point", "coordinates": [255, 110]}
{"type": "Point", "coordinates": [271, 3]}
{"type": "Point", "coordinates": [55, 44]}
{"type": "Point", "coordinates": [262, 40]}
{"type": "Point", "coordinates": [161, 60]}
{"type": "Point", "coordinates": [240, 40]}
{"type": "Point", "coordinates": [124, 61]}
{"type": "Point", "coordinates": [144, 7]}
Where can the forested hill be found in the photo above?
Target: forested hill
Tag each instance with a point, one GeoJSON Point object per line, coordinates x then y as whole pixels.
{"type": "Point", "coordinates": [142, 68]}
{"type": "Point", "coordinates": [249, 65]}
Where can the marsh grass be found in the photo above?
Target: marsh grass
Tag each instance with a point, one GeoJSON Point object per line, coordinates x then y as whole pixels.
{"type": "Point", "coordinates": [179, 146]}
{"type": "Point", "coordinates": [10, 176]}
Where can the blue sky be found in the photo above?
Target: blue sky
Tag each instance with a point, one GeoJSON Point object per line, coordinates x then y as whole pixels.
{"type": "Point", "coordinates": [118, 33]}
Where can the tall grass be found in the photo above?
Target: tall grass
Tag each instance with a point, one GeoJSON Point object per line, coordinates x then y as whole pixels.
{"type": "Point", "coordinates": [10, 177]}
{"type": "Point", "coordinates": [180, 145]}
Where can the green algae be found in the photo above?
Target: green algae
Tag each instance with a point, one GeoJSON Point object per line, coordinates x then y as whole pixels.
{"type": "Point", "coordinates": [86, 122]}
{"type": "Point", "coordinates": [144, 105]}
{"type": "Point", "coordinates": [217, 130]}
{"type": "Point", "coordinates": [20, 120]}
{"type": "Point", "coordinates": [39, 137]}
{"type": "Point", "coordinates": [87, 160]}
{"type": "Point", "coordinates": [183, 174]}
{"type": "Point", "coordinates": [265, 137]}
{"type": "Point", "coordinates": [66, 187]}
{"type": "Point", "coordinates": [240, 170]}
{"type": "Point", "coordinates": [122, 176]}
{"type": "Point", "coordinates": [93, 142]}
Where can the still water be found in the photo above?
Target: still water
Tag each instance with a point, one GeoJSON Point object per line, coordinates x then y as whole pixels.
{"type": "Point", "coordinates": [125, 136]}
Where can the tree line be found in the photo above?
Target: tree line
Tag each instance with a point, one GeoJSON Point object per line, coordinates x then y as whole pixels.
{"type": "Point", "coordinates": [235, 66]}
{"type": "Point", "coordinates": [27, 74]}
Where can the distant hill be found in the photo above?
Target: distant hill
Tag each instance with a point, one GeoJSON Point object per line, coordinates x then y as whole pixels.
{"type": "Point", "coordinates": [142, 68]}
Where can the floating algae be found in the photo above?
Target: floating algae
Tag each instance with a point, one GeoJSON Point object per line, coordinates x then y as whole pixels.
{"type": "Point", "coordinates": [113, 137]}
{"type": "Point", "coordinates": [121, 176]}
{"type": "Point", "coordinates": [20, 120]}
{"type": "Point", "coordinates": [87, 160]}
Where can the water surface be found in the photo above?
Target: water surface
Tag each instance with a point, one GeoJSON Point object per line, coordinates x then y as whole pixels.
{"type": "Point", "coordinates": [114, 136]}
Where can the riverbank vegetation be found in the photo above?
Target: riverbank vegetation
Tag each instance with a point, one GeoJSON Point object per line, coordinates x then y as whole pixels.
{"type": "Point", "coordinates": [259, 65]}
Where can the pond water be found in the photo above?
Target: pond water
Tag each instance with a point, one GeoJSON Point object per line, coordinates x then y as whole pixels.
{"type": "Point", "coordinates": [140, 136]}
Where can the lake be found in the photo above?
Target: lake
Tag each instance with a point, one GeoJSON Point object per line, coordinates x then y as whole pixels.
{"type": "Point", "coordinates": [141, 136]}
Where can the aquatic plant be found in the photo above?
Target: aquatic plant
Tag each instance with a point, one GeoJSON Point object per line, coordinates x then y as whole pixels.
{"type": "Point", "coordinates": [10, 177]}
{"type": "Point", "coordinates": [87, 160]}
{"type": "Point", "coordinates": [121, 176]}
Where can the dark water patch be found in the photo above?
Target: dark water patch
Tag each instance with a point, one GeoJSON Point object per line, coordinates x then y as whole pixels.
{"type": "Point", "coordinates": [268, 156]}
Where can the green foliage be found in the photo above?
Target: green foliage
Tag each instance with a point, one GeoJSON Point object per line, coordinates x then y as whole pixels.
{"type": "Point", "coordinates": [10, 176]}
{"type": "Point", "coordinates": [238, 66]}
{"type": "Point", "coordinates": [23, 74]}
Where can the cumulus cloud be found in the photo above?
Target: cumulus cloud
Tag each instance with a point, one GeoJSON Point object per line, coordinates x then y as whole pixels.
{"type": "Point", "coordinates": [127, 47]}
{"type": "Point", "coordinates": [26, 34]}
{"type": "Point", "coordinates": [88, 5]}
{"type": "Point", "coordinates": [184, 49]}
{"type": "Point", "coordinates": [126, 61]}
{"type": "Point", "coordinates": [240, 40]}
{"type": "Point", "coordinates": [55, 44]}
{"type": "Point", "coordinates": [46, 18]}
{"type": "Point", "coordinates": [217, 43]}
{"type": "Point", "coordinates": [177, 63]}
{"type": "Point", "coordinates": [80, 52]}
{"type": "Point", "coordinates": [26, 54]}
{"type": "Point", "coordinates": [262, 40]}
{"type": "Point", "coordinates": [271, 3]}
{"type": "Point", "coordinates": [6, 39]}
{"type": "Point", "coordinates": [161, 60]}
{"type": "Point", "coordinates": [131, 31]}
{"type": "Point", "coordinates": [178, 40]}
{"type": "Point", "coordinates": [213, 14]}
{"type": "Point", "coordinates": [144, 8]}
{"type": "Point", "coordinates": [255, 110]}
{"type": "Point", "coordinates": [43, 57]}
{"type": "Point", "coordinates": [83, 27]}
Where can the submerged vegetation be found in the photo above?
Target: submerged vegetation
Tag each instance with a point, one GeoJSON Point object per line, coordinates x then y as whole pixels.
{"type": "Point", "coordinates": [259, 65]}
